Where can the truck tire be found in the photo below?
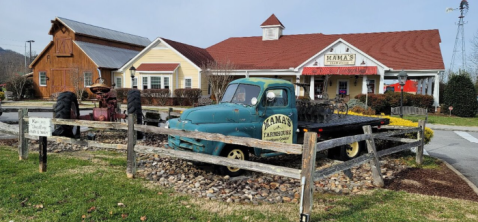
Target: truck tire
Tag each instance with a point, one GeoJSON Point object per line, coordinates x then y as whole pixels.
{"type": "Point", "coordinates": [66, 108]}
{"type": "Point", "coordinates": [233, 152]}
{"type": "Point", "coordinates": [134, 107]}
{"type": "Point", "coordinates": [350, 151]}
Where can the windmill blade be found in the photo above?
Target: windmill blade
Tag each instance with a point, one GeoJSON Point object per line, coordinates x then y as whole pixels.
{"type": "Point", "coordinates": [447, 10]}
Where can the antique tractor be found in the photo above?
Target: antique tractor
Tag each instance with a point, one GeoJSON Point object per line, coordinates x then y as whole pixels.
{"type": "Point", "coordinates": [108, 109]}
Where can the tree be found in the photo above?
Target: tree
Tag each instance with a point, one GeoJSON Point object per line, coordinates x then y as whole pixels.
{"type": "Point", "coordinates": [460, 93]}
{"type": "Point", "coordinates": [218, 75]}
{"type": "Point", "coordinates": [78, 82]}
{"type": "Point", "coordinates": [474, 58]}
{"type": "Point", "coordinates": [16, 83]}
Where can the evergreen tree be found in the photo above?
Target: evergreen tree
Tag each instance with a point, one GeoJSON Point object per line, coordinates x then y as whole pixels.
{"type": "Point", "coordinates": [460, 93]}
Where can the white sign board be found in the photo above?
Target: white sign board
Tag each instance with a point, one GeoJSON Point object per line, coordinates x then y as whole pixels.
{"type": "Point", "coordinates": [339, 59]}
{"type": "Point", "coordinates": [40, 126]}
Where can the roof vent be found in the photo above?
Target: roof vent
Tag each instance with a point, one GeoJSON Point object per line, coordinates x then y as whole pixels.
{"type": "Point", "coordinates": [272, 28]}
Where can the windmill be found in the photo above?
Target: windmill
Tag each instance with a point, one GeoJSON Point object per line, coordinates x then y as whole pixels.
{"type": "Point", "coordinates": [460, 36]}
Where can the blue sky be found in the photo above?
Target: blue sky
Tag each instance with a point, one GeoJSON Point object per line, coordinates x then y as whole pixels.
{"type": "Point", "coordinates": [206, 22]}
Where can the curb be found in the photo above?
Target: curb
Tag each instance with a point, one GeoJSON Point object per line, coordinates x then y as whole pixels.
{"type": "Point", "coordinates": [472, 185]}
{"type": "Point", "coordinates": [452, 128]}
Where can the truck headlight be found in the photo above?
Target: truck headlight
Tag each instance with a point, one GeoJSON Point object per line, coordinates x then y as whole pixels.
{"type": "Point", "coordinates": [167, 125]}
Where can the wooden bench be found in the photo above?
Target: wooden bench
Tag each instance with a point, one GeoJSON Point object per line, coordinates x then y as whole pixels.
{"type": "Point", "coordinates": [410, 111]}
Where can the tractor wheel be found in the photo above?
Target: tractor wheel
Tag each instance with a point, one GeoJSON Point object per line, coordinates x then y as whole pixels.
{"type": "Point", "coordinates": [233, 152]}
{"type": "Point", "coordinates": [66, 108]}
{"type": "Point", "coordinates": [134, 107]}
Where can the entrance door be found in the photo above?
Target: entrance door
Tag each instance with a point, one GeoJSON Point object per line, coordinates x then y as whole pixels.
{"type": "Point", "coordinates": [371, 86]}
{"type": "Point", "coordinates": [319, 89]}
{"type": "Point", "coordinates": [62, 80]}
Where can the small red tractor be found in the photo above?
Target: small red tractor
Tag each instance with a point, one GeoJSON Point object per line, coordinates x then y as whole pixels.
{"type": "Point", "coordinates": [108, 109]}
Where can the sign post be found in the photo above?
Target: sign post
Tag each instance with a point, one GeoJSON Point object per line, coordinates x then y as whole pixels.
{"type": "Point", "coordinates": [41, 127]}
{"type": "Point", "coordinates": [450, 108]}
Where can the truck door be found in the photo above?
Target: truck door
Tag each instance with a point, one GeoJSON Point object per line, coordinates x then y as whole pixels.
{"type": "Point", "coordinates": [281, 104]}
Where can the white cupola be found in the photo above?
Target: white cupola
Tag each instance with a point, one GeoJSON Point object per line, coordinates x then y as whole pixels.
{"type": "Point", "coordinates": [272, 28]}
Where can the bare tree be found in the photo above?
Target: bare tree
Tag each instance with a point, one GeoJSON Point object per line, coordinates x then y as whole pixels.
{"type": "Point", "coordinates": [78, 82]}
{"type": "Point", "coordinates": [218, 75]}
{"type": "Point", "coordinates": [16, 84]}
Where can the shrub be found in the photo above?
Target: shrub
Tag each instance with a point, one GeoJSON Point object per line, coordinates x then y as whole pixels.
{"type": "Point", "coordinates": [355, 102]}
{"type": "Point", "coordinates": [2, 95]}
{"type": "Point", "coordinates": [382, 103]}
{"type": "Point", "coordinates": [162, 95]}
{"type": "Point", "coordinates": [357, 109]}
{"type": "Point", "coordinates": [461, 94]}
{"type": "Point", "coordinates": [192, 95]}
{"type": "Point", "coordinates": [180, 96]}
{"type": "Point", "coordinates": [122, 93]}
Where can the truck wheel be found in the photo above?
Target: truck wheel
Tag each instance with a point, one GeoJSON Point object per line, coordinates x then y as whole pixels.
{"type": "Point", "coordinates": [66, 108]}
{"type": "Point", "coordinates": [234, 152]}
{"type": "Point", "coordinates": [134, 106]}
{"type": "Point", "coordinates": [351, 151]}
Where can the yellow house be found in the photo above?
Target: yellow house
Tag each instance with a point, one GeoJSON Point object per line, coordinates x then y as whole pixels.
{"type": "Point", "coordinates": [165, 64]}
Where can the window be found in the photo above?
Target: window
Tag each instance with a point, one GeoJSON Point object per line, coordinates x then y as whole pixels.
{"type": "Point", "coordinates": [241, 94]}
{"type": "Point", "coordinates": [135, 83]}
{"type": "Point", "coordinates": [343, 88]}
{"type": "Point", "coordinates": [187, 83]}
{"type": "Point", "coordinates": [42, 78]}
{"type": "Point", "coordinates": [281, 98]}
{"type": "Point", "coordinates": [155, 82]}
{"type": "Point", "coordinates": [118, 82]}
{"type": "Point", "coordinates": [371, 86]}
{"type": "Point", "coordinates": [166, 82]}
{"type": "Point", "coordinates": [145, 82]}
{"type": "Point", "coordinates": [88, 78]}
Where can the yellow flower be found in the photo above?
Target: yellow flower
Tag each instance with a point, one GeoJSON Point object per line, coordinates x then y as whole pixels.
{"type": "Point", "coordinates": [395, 121]}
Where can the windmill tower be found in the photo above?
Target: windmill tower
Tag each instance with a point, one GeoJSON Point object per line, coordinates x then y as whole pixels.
{"type": "Point", "coordinates": [460, 36]}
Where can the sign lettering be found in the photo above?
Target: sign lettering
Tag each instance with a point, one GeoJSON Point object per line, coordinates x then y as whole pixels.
{"type": "Point", "coordinates": [339, 59]}
{"type": "Point", "coordinates": [277, 128]}
{"type": "Point", "coordinates": [39, 126]}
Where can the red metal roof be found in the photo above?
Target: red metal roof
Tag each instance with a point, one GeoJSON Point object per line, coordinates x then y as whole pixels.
{"type": "Point", "coordinates": [338, 70]}
{"type": "Point", "coordinates": [409, 50]}
{"type": "Point", "coordinates": [157, 67]}
{"type": "Point", "coordinates": [272, 20]}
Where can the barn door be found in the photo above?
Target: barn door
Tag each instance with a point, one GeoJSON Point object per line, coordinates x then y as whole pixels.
{"type": "Point", "coordinates": [61, 80]}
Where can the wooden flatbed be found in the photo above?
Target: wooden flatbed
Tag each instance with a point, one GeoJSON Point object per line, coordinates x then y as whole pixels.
{"type": "Point", "coordinates": [343, 124]}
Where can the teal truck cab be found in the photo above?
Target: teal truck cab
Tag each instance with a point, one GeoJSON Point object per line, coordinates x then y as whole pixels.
{"type": "Point", "coordinates": [261, 108]}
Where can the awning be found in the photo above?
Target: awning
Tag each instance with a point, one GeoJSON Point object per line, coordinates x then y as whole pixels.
{"type": "Point", "coordinates": [159, 67]}
{"type": "Point", "coordinates": [336, 70]}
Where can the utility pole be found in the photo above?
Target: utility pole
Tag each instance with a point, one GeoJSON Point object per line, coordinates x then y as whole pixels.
{"type": "Point", "coordinates": [30, 59]}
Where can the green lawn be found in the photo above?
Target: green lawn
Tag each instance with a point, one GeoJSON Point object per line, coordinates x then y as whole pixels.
{"type": "Point", "coordinates": [446, 120]}
{"type": "Point", "coordinates": [92, 186]}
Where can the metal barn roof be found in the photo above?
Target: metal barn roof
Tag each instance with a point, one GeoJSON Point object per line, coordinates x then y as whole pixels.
{"type": "Point", "coordinates": [106, 56]}
{"type": "Point", "coordinates": [91, 30]}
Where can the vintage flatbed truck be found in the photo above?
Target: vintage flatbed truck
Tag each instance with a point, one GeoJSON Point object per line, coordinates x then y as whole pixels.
{"type": "Point", "coordinates": [263, 108]}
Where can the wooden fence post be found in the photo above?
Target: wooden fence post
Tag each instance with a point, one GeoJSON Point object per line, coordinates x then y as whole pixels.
{"type": "Point", "coordinates": [131, 155]}
{"type": "Point", "coordinates": [22, 140]}
{"type": "Point", "coordinates": [420, 137]}
{"type": "Point", "coordinates": [43, 153]}
{"type": "Point", "coordinates": [308, 169]}
{"type": "Point", "coordinates": [374, 163]}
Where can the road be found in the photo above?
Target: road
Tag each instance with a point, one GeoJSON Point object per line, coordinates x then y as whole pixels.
{"type": "Point", "coordinates": [458, 148]}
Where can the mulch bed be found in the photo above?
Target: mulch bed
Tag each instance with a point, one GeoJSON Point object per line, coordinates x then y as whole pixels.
{"type": "Point", "coordinates": [435, 182]}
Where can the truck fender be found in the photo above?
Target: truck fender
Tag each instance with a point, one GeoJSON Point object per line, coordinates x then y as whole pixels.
{"type": "Point", "coordinates": [220, 145]}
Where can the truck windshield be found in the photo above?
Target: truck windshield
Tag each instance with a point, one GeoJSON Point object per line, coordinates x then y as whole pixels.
{"type": "Point", "coordinates": [241, 94]}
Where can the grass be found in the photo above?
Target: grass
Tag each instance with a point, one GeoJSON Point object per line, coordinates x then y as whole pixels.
{"type": "Point", "coordinates": [446, 120]}
{"type": "Point", "coordinates": [92, 186]}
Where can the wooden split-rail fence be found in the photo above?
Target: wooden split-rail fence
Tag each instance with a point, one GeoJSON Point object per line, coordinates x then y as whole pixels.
{"type": "Point", "coordinates": [307, 174]}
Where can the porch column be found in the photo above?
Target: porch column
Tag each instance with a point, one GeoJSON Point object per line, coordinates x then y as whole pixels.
{"type": "Point", "coordinates": [312, 87]}
{"type": "Point", "coordinates": [381, 84]}
{"type": "Point", "coordinates": [430, 84]}
{"type": "Point", "coordinates": [364, 85]}
{"type": "Point", "coordinates": [297, 88]}
{"type": "Point", "coordinates": [436, 91]}
{"type": "Point", "coordinates": [419, 86]}
{"type": "Point", "coordinates": [424, 85]}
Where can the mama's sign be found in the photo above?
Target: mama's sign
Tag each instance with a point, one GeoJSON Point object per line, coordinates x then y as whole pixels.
{"type": "Point", "coordinates": [277, 128]}
{"type": "Point", "coordinates": [339, 59]}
